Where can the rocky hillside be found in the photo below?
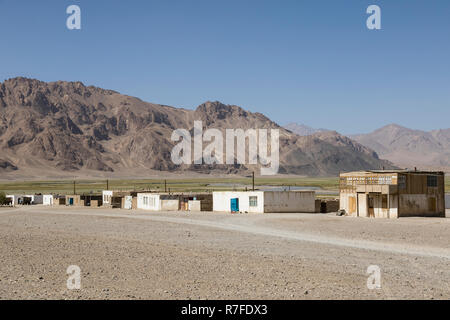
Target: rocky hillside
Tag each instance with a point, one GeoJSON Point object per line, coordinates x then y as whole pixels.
{"type": "Point", "coordinates": [67, 128]}
{"type": "Point", "coordinates": [408, 147]}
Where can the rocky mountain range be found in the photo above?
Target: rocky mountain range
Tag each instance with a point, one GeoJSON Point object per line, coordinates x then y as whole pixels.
{"type": "Point", "coordinates": [69, 129]}
{"type": "Point", "coordinates": [408, 147]}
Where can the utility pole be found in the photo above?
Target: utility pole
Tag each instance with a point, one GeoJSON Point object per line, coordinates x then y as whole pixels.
{"type": "Point", "coordinates": [165, 186]}
{"type": "Point", "coordinates": [107, 184]}
{"type": "Point", "coordinates": [253, 180]}
{"type": "Point", "coordinates": [74, 191]}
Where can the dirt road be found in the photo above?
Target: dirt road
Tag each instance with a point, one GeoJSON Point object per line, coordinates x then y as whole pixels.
{"type": "Point", "coordinates": [138, 255]}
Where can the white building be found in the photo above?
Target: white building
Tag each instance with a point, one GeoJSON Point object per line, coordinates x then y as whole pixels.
{"type": "Point", "coordinates": [107, 195]}
{"type": "Point", "coordinates": [47, 200]}
{"type": "Point", "coordinates": [35, 198]}
{"type": "Point", "coordinates": [14, 198]}
{"type": "Point", "coordinates": [26, 199]}
{"type": "Point", "coordinates": [128, 202]}
{"type": "Point", "coordinates": [264, 201]}
{"type": "Point", "coordinates": [157, 202]}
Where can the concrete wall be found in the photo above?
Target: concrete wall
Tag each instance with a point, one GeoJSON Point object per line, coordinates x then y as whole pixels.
{"type": "Point", "coordinates": [194, 205]}
{"type": "Point", "coordinates": [290, 201]}
{"type": "Point", "coordinates": [169, 204]}
{"type": "Point", "coordinates": [426, 205]}
{"type": "Point", "coordinates": [127, 202]}
{"type": "Point", "coordinates": [447, 201]}
{"type": "Point", "coordinates": [94, 203]}
{"type": "Point", "coordinates": [222, 201]}
{"type": "Point", "coordinates": [48, 200]}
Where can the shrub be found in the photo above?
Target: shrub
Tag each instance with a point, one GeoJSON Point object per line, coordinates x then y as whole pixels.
{"type": "Point", "coordinates": [3, 199]}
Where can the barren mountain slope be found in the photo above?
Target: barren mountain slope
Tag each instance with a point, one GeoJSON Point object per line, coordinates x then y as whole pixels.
{"type": "Point", "coordinates": [69, 129]}
{"type": "Point", "coordinates": [407, 147]}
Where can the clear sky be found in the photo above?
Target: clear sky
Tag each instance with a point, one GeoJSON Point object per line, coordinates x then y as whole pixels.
{"type": "Point", "coordinates": [312, 62]}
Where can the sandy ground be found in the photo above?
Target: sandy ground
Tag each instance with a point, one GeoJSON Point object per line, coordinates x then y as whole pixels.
{"type": "Point", "coordinates": [141, 255]}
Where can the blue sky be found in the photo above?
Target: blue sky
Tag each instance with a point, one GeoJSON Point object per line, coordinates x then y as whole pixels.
{"type": "Point", "coordinates": [311, 62]}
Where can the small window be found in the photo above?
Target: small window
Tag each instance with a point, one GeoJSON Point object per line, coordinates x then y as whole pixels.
{"type": "Point", "coordinates": [432, 181]}
{"type": "Point", "coordinates": [253, 201]}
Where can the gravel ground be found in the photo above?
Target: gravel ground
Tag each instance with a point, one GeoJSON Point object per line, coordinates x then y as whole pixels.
{"type": "Point", "coordinates": [141, 255]}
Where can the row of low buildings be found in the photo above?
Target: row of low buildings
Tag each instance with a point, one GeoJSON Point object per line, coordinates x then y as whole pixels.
{"type": "Point", "coordinates": [220, 201]}
{"type": "Point", "coordinates": [378, 194]}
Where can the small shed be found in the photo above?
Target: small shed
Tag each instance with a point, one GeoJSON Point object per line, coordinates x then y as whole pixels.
{"type": "Point", "coordinates": [15, 199]}
{"type": "Point", "coordinates": [48, 200]}
{"type": "Point", "coordinates": [157, 202]}
{"type": "Point", "coordinates": [264, 201]}
{"type": "Point", "coordinates": [118, 199]}
{"type": "Point", "coordinates": [175, 201]}
{"type": "Point", "coordinates": [83, 200]}
{"type": "Point", "coordinates": [59, 200]}
{"type": "Point", "coordinates": [74, 200]}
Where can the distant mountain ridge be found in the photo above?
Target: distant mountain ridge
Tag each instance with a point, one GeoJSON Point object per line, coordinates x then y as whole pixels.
{"type": "Point", "coordinates": [409, 147]}
{"type": "Point", "coordinates": [302, 129]}
{"type": "Point", "coordinates": [67, 128]}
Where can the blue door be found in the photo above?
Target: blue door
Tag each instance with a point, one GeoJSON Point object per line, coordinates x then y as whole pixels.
{"type": "Point", "coordinates": [71, 201]}
{"type": "Point", "coordinates": [235, 205]}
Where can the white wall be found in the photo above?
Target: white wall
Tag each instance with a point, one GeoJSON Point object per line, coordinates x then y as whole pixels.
{"type": "Point", "coordinates": [169, 204]}
{"type": "Point", "coordinates": [128, 202]}
{"type": "Point", "coordinates": [148, 201]}
{"type": "Point", "coordinates": [194, 205]}
{"type": "Point", "coordinates": [48, 200]}
{"type": "Point", "coordinates": [222, 201]}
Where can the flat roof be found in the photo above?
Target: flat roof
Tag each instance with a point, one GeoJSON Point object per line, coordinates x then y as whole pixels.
{"type": "Point", "coordinates": [390, 172]}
